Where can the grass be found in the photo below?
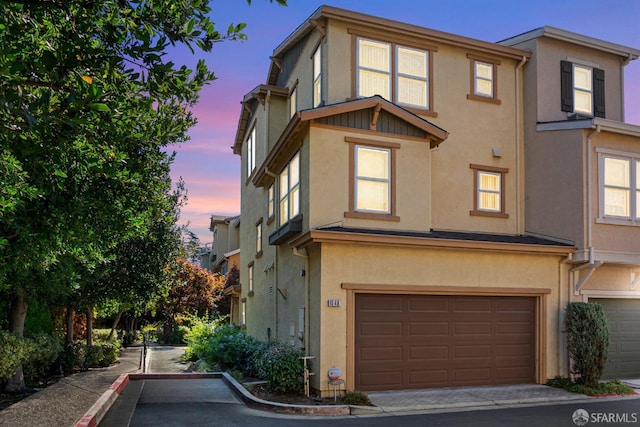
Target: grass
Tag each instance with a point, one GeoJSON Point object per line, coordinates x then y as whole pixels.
{"type": "Point", "coordinates": [613, 387]}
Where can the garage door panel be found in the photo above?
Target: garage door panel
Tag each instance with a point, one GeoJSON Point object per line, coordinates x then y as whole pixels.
{"type": "Point", "coordinates": [378, 328]}
{"type": "Point", "coordinates": [472, 343]}
{"type": "Point", "coordinates": [432, 305]}
{"type": "Point", "coordinates": [472, 328]}
{"type": "Point", "coordinates": [623, 318]}
{"type": "Point", "coordinates": [428, 353]}
{"type": "Point", "coordinates": [429, 329]}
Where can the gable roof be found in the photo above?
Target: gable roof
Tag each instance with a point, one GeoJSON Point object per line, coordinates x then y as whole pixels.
{"type": "Point", "coordinates": [373, 106]}
{"type": "Point", "coordinates": [575, 38]}
{"type": "Point", "coordinates": [317, 18]}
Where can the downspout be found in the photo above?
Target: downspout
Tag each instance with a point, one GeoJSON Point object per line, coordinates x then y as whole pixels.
{"type": "Point", "coordinates": [519, 160]}
{"type": "Point", "coordinates": [624, 64]}
{"type": "Point", "coordinates": [588, 180]}
{"type": "Point", "coordinates": [275, 272]}
{"type": "Point", "coordinates": [297, 253]}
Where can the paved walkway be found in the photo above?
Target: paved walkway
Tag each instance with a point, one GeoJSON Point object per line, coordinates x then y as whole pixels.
{"type": "Point", "coordinates": [67, 401]}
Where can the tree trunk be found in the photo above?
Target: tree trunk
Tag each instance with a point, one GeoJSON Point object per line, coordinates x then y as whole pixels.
{"type": "Point", "coordinates": [17, 316]}
{"type": "Point", "coordinates": [89, 334]}
{"type": "Point", "coordinates": [115, 324]}
{"type": "Point", "coordinates": [69, 319]}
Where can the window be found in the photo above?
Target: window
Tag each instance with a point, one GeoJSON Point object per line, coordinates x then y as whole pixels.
{"type": "Point", "coordinates": [620, 179]}
{"type": "Point", "coordinates": [378, 62]}
{"type": "Point", "coordinates": [484, 79]}
{"type": "Point", "coordinates": [293, 102]}
{"type": "Point", "coordinates": [489, 197]}
{"type": "Point", "coordinates": [243, 312]}
{"type": "Point", "coordinates": [317, 77]}
{"type": "Point", "coordinates": [271, 203]}
{"type": "Point", "coordinates": [372, 170]}
{"type": "Point", "coordinates": [250, 279]}
{"type": "Point", "coordinates": [251, 152]}
{"type": "Point", "coordinates": [289, 183]}
{"type": "Point", "coordinates": [372, 179]}
{"type": "Point", "coordinates": [259, 238]}
{"type": "Point", "coordinates": [582, 89]}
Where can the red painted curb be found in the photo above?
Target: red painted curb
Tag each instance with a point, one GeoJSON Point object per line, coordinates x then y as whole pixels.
{"type": "Point", "coordinates": [93, 416]}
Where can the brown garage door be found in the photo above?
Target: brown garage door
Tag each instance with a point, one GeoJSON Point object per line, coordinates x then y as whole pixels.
{"type": "Point", "coordinates": [422, 341]}
{"type": "Point", "coordinates": [623, 316]}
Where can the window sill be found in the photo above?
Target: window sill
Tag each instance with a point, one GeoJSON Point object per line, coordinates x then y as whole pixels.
{"type": "Point", "coordinates": [250, 294]}
{"type": "Point", "coordinates": [287, 231]}
{"type": "Point", "coordinates": [489, 214]}
{"type": "Point", "coordinates": [484, 99]}
{"type": "Point", "coordinates": [371, 215]}
{"type": "Point", "coordinates": [258, 254]}
{"type": "Point", "coordinates": [618, 221]}
{"type": "Point", "coordinates": [270, 219]}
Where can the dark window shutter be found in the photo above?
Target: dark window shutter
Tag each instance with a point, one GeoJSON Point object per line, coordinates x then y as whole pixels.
{"type": "Point", "coordinates": [598, 93]}
{"type": "Point", "coordinates": [566, 85]}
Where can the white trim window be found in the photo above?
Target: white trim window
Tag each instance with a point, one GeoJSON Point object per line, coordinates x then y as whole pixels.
{"type": "Point", "coordinates": [259, 237]}
{"type": "Point", "coordinates": [483, 79]}
{"type": "Point", "coordinates": [582, 89]}
{"type": "Point", "coordinates": [372, 179]}
{"type": "Point", "coordinates": [293, 102]}
{"type": "Point", "coordinates": [289, 183]}
{"type": "Point", "coordinates": [250, 278]}
{"type": "Point", "coordinates": [251, 152]}
{"type": "Point", "coordinates": [271, 202]}
{"type": "Point", "coordinates": [317, 77]}
{"type": "Point", "coordinates": [489, 191]}
{"type": "Point", "coordinates": [378, 61]}
{"type": "Point", "coordinates": [620, 185]}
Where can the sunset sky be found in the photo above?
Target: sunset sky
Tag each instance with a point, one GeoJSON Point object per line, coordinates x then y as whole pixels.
{"type": "Point", "coordinates": [207, 164]}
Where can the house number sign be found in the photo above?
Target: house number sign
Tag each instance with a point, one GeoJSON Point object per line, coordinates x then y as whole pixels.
{"type": "Point", "coordinates": [333, 303]}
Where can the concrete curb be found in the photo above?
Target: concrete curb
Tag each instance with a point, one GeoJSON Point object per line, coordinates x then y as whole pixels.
{"type": "Point", "coordinates": [99, 409]}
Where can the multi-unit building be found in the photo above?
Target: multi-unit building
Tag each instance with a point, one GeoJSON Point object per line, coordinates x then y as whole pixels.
{"type": "Point", "coordinates": [419, 207]}
{"type": "Point", "coordinates": [225, 257]}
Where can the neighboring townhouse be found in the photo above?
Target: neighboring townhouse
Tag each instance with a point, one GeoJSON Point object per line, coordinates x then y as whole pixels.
{"type": "Point", "coordinates": [383, 181]}
{"type": "Point", "coordinates": [225, 255]}
{"type": "Point", "coordinates": [583, 175]}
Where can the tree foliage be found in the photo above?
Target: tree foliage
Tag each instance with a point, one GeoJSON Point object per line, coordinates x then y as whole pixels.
{"type": "Point", "coordinates": [194, 290]}
{"type": "Point", "coordinates": [587, 340]}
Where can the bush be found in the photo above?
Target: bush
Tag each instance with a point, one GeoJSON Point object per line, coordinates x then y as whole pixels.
{"type": "Point", "coordinates": [357, 398]}
{"type": "Point", "coordinates": [178, 334]}
{"type": "Point", "coordinates": [13, 351]}
{"type": "Point", "coordinates": [587, 341]}
{"type": "Point", "coordinates": [229, 348]}
{"type": "Point", "coordinates": [73, 357]}
{"type": "Point", "coordinates": [198, 337]}
{"type": "Point", "coordinates": [280, 365]}
{"type": "Point", "coordinates": [43, 350]}
{"type": "Point", "coordinates": [79, 357]}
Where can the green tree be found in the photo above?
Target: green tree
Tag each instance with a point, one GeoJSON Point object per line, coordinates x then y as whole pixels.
{"type": "Point", "coordinates": [587, 340]}
{"type": "Point", "coordinates": [88, 103]}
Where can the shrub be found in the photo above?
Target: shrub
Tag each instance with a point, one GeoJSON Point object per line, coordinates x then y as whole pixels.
{"type": "Point", "coordinates": [198, 337]}
{"type": "Point", "coordinates": [357, 398]}
{"type": "Point", "coordinates": [13, 351]}
{"type": "Point", "coordinates": [80, 357]}
{"type": "Point", "coordinates": [587, 340]}
{"type": "Point", "coordinates": [43, 350]}
{"type": "Point", "coordinates": [229, 348]}
{"type": "Point", "coordinates": [73, 357]}
{"type": "Point", "coordinates": [178, 334]}
{"type": "Point", "coordinates": [280, 365]}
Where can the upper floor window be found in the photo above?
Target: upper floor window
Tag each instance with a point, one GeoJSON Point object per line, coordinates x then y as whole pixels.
{"type": "Point", "coordinates": [250, 278]}
{"type": "Point", "coordinates": [317, 77]}
{"type": "Point", "coordinates": [372, 169]}
{"type": "Point", "coordinates": [582, 89]}
{"type": "Point", "coordinates": [484, 78]}
{"type": "Point", "coordinates": [259, 238]}
{"type": "Point", "coordinates": [271, 202]}
{"type": "Point", "coordinates": [489, 186]}
{"type": "Point", "coordinates": [620, 187]}
{"type": "Point", "coordinates": [399, 74]}
{"type": "Point", "coordinates": [251, 152]}
{"type": "Point", "coordinates": [373, 179]}
{"type": "Point", "coordinates": [293, 102]}
{"type": "Point", "coordinates": [289, 183]}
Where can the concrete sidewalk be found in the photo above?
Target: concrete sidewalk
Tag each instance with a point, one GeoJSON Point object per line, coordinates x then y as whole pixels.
{"type": "Point", "coordinates": [82, 395]}
{"type": "Point", "coordinates": [65, 402]}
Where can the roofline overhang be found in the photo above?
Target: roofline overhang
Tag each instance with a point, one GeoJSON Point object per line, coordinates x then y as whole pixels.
{"type": "Point", "coordinates": [324, 236]}
{"type": "Point", "coordinates": [603, 125]}
{"type": "Point", "coordinates": [415, 32]}
{"type": "Point", "coordinates": [302, 119]}
{"type": "Point", "coordinates": [259, 94]}
{"type": "Point", "coordinates": [626, 52]}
